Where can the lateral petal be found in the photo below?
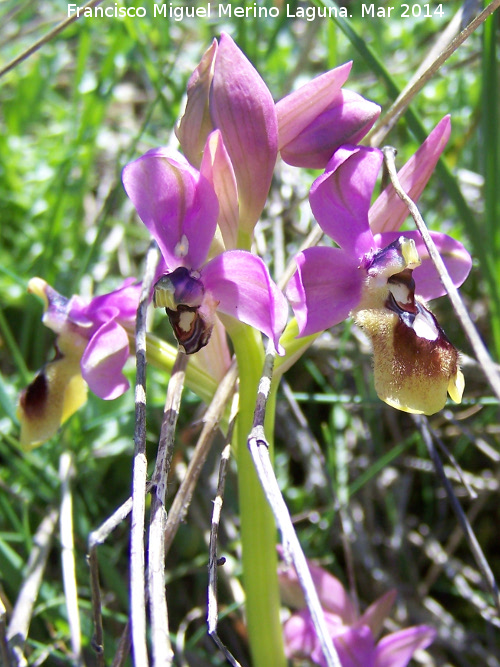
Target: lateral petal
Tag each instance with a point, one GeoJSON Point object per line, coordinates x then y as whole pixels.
{"type": "Point", "coordinates": [397, 649]}
{"type": "Point", "coordinates": [241, 283]}
{"type": "Point", "coordinates": [196, 123]}
{"type": "Point", "coordinates": [324, 289]}
{"type": "Point", "coordinates": [103, 361]}
{"type": "Point", "coordinates": [218, 170]}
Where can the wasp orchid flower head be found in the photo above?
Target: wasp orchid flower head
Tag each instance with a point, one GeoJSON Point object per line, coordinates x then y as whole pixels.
{"type": "Point", "coordinates": [382, 279]}
{"type": "Point", "coordinates": [180, 208]}
{"type": "Point", "coordinates": [355, 637]}
{"type": "Point", "coordinates": [92, 346]}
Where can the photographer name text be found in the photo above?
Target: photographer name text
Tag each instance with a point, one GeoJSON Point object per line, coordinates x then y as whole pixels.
{"type": "Point", "coordinates": [220, 10]}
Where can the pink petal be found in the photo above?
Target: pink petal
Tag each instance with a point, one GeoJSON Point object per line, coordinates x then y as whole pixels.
{"type": "Point", "coordinates": [397, 649]}
{"type": "Point", "coordinates": [324, 289]}
{"type": "Point", "coordinates": [196, 123]}
{"type": "Point", "coordinates": [389, 211]}
{"type": "Point", "coordinates": [218, 170]}
{"type": "Point", "coordinates": [340, 198]}
{"type": "Point", "coordinates": [176, 203]}
{"type": "Point", "coordinates": [241, 283]}
{"type": "Point", "coordinates": [355, 648]}
{"type": "Point", "coordinates": [300, 108]}
{"type": "Point", "coordinates": [345, 121]}
{"type": "Point", "coordinates": [299, 635]}
{"type": "Point", "coordinates": [374, 617]}
{"type": "Point", "coordinates": [243, 109]}
{"type": "Point", "coordinates": [103, 361]}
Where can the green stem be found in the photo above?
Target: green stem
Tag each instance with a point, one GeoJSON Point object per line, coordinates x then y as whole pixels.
{"type": "Point", "coordinates": [258, 531]}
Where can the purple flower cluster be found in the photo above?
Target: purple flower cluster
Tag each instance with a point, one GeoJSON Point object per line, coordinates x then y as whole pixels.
{"type": "Point", "coordinates": [202, 205]}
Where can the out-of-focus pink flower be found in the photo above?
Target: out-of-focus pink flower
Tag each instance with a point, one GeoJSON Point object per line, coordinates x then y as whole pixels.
{"type": "Point", "coordinates": [355, 637]}
{"type": "Point", "coordinates": [92, 346]}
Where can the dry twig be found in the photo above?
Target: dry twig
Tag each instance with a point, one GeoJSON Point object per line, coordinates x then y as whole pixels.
{"type": "Point", "coordinates": [160, 640]}
{"type": "Point", "coordinates": [95, 538]}
{"type": "Point", "coordinates": [66, 471]}
{"type": "Point", "coordinates": [388, 120]}
{"type": "Point", "coordinates": [474, 545]}
{"type": "Point", "coordinates": [213, 561]}
{"type": "Point", "coordinates": [211, 421]}
{"type": "Point", "coordinates": [17, 632]}
{"type": "Point", "coordinates": [137, 577]}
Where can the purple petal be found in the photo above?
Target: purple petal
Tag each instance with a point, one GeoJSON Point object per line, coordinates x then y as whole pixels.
{"type": "Point", "coordinates": [355, 647]}
{"type": "Point", "coordinates": [456, 259]}
{"type": "Point", "coordinates": [389, 211]}
{"type": "Point", "coordinates": [196, 123]}
{"type": "Point", "coordinates": [299, 635]}
{"type": "Point", "coordinates": [345, 121]}
{"type": "Point", "coordinates": [243, 109]}
{"type": "Point", "coordinates": [324, 289]}
{"type": "Point", "coordinates": [397, 649]}
{"type": "Point", "coordinates": [241, 283]}
{"type": "Point", "coordinates": [299, 109]}
{"type": "Point", "coordinates": [176, 203]}
{"type": "Point", "coordinates": [374, 617]}
{"type": "Point", "coordinates": [103, 360]}
{"type": "Point", "coordinates": [120, 304]}
{"type": "Point", "coordinates": [218, 170]}
{"type": "Point", "coordinates": [331, 592]}
{"type": "Point", "coordinates": [340, 198]}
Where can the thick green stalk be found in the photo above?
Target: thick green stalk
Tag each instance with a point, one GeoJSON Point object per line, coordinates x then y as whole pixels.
{"type": "Point", "coordinates": [258, 531]}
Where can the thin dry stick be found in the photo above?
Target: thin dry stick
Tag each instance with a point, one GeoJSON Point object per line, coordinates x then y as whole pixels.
{"type": "Point", "coordinates": [474, 545]}
{"type": "Point", "coordinates": [4, 650]}
{"type": "Point", "coordinates": [213, 561]}
{"type": "Point", "coordinates": [211, 421]}
{"type": "Point", "coordinates": [380, 130]}
{"type": "Point", "coordinates": [46, 38]}
{"type": "Point", "coordinates": [95, 538]}
{"type": "Point", "coordinates": [259, 450]}
{"type": "Point", "coordinates": [137, 577]}
{"type": "Point", "coordinates": [66, 471]}
{"type": "Point", "coordinates": [123, 650]}
{"type": "Point", "coordinates": [468, 326]}
{"type": "Point", "coordinates": [23, 609]}
{"type": "Point", "coordinates": [160, 640]}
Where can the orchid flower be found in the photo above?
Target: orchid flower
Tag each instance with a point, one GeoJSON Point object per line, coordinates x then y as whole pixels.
{"type": "Point", "coordinates": [225, 92]}
{"type": "Point", "coordinates": [180, 208]}
{"type": "Point", "coordinates": [92, 346]}
{"type": "Point", "coordinates": [354, 637]}
{"type": "Point", "coordinates": [383, 279]}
